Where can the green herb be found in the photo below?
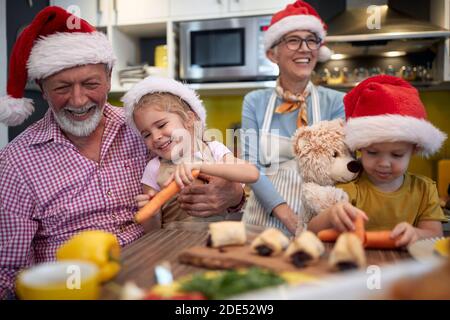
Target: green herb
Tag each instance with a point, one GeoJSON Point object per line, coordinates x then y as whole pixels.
{"type": "Point", "coordinates": [231, 282]}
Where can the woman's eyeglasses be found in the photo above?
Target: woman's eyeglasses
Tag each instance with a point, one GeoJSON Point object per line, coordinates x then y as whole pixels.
{"type": "Point", "coordinates": [295, 43]}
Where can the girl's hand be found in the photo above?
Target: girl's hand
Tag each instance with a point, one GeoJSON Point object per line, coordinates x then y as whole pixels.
{"type": "Point", "coordinates": [183, 173]}
{"type": "Point", "coordinates": [342, 215]}
{"type": "Point", "coordinates": [404, 233]}
{"type": "Point", "coordinates": [142, 199]}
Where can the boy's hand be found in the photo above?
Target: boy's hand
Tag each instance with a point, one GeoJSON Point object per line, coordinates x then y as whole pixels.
{"type": "Point", "coordinates": [142, 199]}
{"type": "Point", "coordinates": [404, 233]}
{"type": "Point", "coordinates": [342, 215]}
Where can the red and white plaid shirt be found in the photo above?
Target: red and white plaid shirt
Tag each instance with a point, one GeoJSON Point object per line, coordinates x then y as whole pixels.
{"type": "Point", "coordinates": [49, 191]}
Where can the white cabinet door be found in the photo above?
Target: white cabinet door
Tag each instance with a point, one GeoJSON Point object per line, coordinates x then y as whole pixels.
{"type": "Point", "coordinates": [183, 8]}
{"type": "Point", "coordinates": [257, 5]}
{"type": "Point", "coordinates": [132, 11]}
{"type": "Point", "coordinates": [86, 9]}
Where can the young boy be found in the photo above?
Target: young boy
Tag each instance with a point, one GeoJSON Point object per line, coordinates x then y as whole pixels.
{"type": "Point", "coordinates": [386, 122]}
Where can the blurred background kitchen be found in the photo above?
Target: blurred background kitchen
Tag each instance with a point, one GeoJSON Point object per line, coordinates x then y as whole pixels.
{"type": "Point", "coordinates": [216, 46]}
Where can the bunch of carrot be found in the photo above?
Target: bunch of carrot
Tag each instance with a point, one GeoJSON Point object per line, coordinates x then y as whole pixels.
{"type": "Point", "coordinates": [152, 207]}
{"type": "Point", "coordinates": [370, 239]}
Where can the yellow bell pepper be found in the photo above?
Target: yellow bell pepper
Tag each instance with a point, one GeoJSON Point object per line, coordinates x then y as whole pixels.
{"type": "Point", "coordinates": [99, 247]}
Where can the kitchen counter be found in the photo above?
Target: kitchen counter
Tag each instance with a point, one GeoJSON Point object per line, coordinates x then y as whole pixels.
{"type": "Point", "coordinates": [140, 258]}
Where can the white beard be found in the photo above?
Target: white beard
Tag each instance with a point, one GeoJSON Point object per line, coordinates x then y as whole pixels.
{"type": "Point", "coordinates": [78, 128]}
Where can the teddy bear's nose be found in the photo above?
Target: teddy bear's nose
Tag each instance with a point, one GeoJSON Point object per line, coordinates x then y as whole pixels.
{"type": "Point", "coordinates": [354, 166]}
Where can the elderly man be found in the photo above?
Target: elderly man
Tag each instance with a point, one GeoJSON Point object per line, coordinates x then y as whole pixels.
{"type": "Point", "coordinates": [79, 167]}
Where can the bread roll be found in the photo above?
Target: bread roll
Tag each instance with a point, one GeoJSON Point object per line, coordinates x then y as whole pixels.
{"type": "Point", "coordinates": [348, 253]}
{"type": "Point", "coordinates": [270, 242]}
{"type": "Point", "coordinates": [305, 249]}
{"type": "Point", "coordinates": [226, 233]}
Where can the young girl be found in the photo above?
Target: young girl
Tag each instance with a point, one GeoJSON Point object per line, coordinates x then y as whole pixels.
{"type": "Point", "coordinates": [387, 123]}
{"type": "Point", "coordinates": [171, 120]}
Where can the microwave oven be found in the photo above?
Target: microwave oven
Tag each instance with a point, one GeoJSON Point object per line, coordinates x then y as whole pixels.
{"type": "Point", "coordinates": [228, 49]}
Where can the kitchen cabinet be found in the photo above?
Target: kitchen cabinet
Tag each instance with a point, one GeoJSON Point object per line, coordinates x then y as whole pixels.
{"type": "Point", "coordinates": [437, 8]}
{"type": "Point", "coordinates": [238, 6]}
{"type": "Point", "coordinates": [138, 19]}
{"type": "Point", "coordinates": [183, 8]}
{"type": "Point", "coordinates": [206, 9]}
{"type": "Point", "coordinates": [96, 13]}
{"type": "Point", "coordinates": [141, 11]}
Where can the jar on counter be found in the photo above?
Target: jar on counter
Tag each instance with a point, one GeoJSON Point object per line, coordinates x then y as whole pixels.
{"type": "Point", "coordinates": [374, 71]}
{"type": "Point", "coordinates": [390, 70]}
{"type": "Point", "coordinates": [360, 74]}
{"type": "Point", "coordinates": [320, 77]}
{"type": "Point", "coordinates": [408, 73]}
{"type": "Point", "coordinates": [336, 76]}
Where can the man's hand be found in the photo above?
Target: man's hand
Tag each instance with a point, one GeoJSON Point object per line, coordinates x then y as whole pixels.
{"type": "Point", "coordinates": [209, 199]}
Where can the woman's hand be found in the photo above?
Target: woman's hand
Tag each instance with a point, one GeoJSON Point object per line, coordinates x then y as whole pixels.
{"type": "Point", "coordinates": [342, 214]}
{"type": "Point", "coordinates": [142, 199]}
{"type": "Point", "coordinates": [287, 216]}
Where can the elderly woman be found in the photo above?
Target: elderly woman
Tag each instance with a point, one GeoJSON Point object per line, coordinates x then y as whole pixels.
{"type": "Point", "coordinates": [270, 117]}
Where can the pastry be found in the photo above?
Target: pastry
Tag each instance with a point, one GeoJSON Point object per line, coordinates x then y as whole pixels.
{"type": "Point", "coordinates": [226, 233]}
{"type": "Point", "coordinates": [305, 249]}
{"type": "Point", "coordinates": [348, 253]}
{"type": "Point", "coordinates": [270, 242]}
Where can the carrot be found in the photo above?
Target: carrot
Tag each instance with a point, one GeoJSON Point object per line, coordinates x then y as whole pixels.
{"type": "Point", "coordinates": [152, 207]}
{"type": "Point", "coordinates": [379, 240]}
{"type": "Point", "coordinates": [359, 228]}
{"type": "Point", "coordinates": [328, 235]}
{"type": "Point", "coordinates": [373, 239]}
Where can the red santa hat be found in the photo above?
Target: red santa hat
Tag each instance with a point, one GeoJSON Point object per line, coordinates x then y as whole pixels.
{"type": "Point", "coordinates": [388, 109]}
{"type": "Point", "coordinates": [153, 84]}
{"type": "Point", "coordinates": [55, 40]}
{"type": "Point", "coordinates": [297, 16]}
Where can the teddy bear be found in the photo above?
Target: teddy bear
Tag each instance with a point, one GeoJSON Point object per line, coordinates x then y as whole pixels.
{"type": "Point", "coordinates": [323, 160]}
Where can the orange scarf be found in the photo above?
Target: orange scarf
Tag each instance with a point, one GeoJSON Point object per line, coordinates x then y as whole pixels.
{"type": "Point", "coordinates": [292, 102]}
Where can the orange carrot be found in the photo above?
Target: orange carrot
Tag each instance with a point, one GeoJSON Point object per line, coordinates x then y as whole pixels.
{"type": "Point", "coordinates": [328, 235]}
{"type": "Point", "coordinates": [152, 207]}
{"type": "Point", "coordinates": [359, 228]}
{"type": "Point", "coordinates": [379, 240]}
{"type": "Point", "coordinates": [374, 239]}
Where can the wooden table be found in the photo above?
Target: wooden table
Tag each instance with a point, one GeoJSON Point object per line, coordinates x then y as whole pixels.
{"type": "Point", "coordinates": [140, 258]}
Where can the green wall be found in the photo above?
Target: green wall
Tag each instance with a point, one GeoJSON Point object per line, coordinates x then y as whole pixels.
{"type": "Point", "coordinates": [437, 104]}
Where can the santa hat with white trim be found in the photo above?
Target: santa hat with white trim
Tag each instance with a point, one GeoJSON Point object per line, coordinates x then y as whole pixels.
{"type": "Point", "coordinates": [55, 40]}
{"type": "Point", "coordinates": [297, 16]}
{"type": "Point", "coordinates": [388, 109]}
{"type": "Point", "coordinates": [153, 84]}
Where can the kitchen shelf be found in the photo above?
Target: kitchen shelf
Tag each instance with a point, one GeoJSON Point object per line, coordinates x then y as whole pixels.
{"type": "Point", "coordinates": [153, 29]}
{"type": "Point", "coordinates": [230, 88]}
{"type": "Point", "coordinates": [241, 88]}
{"type": "Point", "coordinates": [420, 85]}
{"type": "Point", "coordinates": [218, 88]}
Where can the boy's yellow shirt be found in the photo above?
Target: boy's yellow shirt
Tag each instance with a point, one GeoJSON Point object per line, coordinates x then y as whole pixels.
{"type": "Point", "coordinates": [416, 200]}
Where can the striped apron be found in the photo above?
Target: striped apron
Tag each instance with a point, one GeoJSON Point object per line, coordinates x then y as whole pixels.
{"type": "Point", "coordinates": [277, 156]}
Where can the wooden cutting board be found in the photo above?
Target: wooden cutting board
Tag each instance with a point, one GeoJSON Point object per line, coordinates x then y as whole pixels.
{"type": "Point", "coordinates": [242, 256]}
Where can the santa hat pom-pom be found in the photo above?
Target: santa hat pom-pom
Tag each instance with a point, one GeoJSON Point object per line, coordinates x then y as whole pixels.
{"type": "Point", "coordinates": [14, 111]}
{"type": "Point", "coordinates": [324, 54]}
